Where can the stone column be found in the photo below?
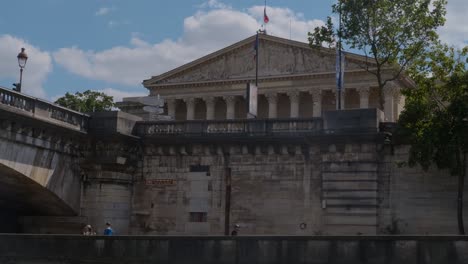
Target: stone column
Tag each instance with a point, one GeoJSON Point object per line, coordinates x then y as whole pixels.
{"type": "Point", "coordinates": [230, 106]}
{"type": "Point", "coordinates": [363, 97]}
{"type": "Point", "coordinates": [294, 102]}
{"type": "Point", "coordinates": [335, 94]}
{"type": "Point", "coordinates": [171, 107]}
{"type": "Point", "coordinates": [389, 94]}
{"type": "Point", "coordinates": [317, 101]}
{"type": "Point", "coordinates": [272, 104]}
{"type": "Point", "coordinates": [210, 107]}
{"type": "Point", "coordinates": [190, 103]}
{"type": "Point", "coordinates": [343, 97]}
{"type": "Point", "coordinates": [399, 102]}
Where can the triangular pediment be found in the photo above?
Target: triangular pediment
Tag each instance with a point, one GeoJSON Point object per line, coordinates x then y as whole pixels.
{"type": "Point", "coordinates": [277, 57]}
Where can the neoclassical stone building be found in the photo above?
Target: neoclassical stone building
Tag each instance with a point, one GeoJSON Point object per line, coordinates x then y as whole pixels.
{"type": "Point", "coordinates": [295, 81]}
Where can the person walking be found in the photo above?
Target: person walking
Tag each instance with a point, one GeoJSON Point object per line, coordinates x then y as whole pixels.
{"type": "Point", "coordinates": [108, 231]}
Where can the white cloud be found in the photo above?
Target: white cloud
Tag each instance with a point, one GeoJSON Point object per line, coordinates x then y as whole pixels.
{"type": "Point", "coordinates": [204, 32]}
{"type": "Point", "coordinates": [119, 95]}
{"type": "Point", "coordinates": [215, 4]}
{"type": "Point", "coordinates": [38, 66]}
{"type": "Point", "coordinates": [455, 31]}
{"type": "Point", "coordinates": [103, 11]}
{"type": "Point", "coordinates": [115, 23]}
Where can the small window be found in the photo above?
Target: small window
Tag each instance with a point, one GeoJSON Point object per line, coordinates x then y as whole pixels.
{"type": "Point", "coordinates": [199, 168]}
{"type": "Point", "coordinates": [198, 217]}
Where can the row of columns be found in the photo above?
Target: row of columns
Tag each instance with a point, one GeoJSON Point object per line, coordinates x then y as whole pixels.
{"type": "Point", "coordinates": [273, 104]}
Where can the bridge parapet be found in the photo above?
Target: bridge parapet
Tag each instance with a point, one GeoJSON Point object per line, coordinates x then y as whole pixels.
{"type": "Point", "coordinates": [41, 109]}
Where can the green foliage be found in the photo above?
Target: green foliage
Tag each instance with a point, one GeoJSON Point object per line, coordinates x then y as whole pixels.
{"type": "Point", "coordinates": [88, 101]}
{"type": "Point", "coordinates": [393, 34]}
{"type": "Point", "coordinates": [323, 35]}
{"type": "Point", "coordinates": [435, 119]}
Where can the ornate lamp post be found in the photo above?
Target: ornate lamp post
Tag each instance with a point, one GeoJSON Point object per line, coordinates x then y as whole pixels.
{"type": "Point", "coordinates": [22, 59]}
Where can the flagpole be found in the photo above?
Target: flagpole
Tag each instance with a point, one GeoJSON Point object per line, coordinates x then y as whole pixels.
{"type": "Point", "coordinates": [339, 63]}
{"type": "Point", "coordinates": [256, 60]}
{"type": "Point", "coordinates": [264, 18]}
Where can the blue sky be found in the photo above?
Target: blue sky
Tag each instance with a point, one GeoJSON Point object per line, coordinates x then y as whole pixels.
{"type": "Point", "coordinates": [112, 46]}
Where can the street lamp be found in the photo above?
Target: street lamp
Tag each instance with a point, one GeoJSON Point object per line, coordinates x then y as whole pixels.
{"type": "Point", "coordinates": [22, 59]}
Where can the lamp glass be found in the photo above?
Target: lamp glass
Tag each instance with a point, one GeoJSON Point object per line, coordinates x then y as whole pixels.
{"type": "Point", "coordinates": [22, 61]}
{"type": "Point", "coordinates": [22, 58]}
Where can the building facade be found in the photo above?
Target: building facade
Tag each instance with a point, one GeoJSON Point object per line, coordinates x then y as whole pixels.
{"type": "Point", "coordinates": [294, 80]}
{"type": "Point", "coordinates": [298, 169]}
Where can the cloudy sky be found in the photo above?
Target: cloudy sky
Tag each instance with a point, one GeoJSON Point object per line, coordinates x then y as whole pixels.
{"type": "Point", "coordinates": [112, 46]}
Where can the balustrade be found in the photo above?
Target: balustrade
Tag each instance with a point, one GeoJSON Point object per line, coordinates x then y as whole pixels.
{"type": "Point", "coordinates": [236, 127]}
{"type": "Point", "coordinates": [42, 109]}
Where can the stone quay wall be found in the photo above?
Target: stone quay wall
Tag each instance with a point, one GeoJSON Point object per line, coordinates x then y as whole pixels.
{"type": "Point", "coordinates": [414, 201]}
{"type": "Point", "coordinates": [268, 189]}
{"type": "Point", "coordinates": [61, 249]}
{"type": "Point", "coordinates": [347, 188]}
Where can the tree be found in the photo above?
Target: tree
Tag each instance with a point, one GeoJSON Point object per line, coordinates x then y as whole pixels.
{"type": "Point", "coordinates": [88, 101]}
{"type": "Point", "coordinates": [392, 34]}
{"type": "Point", "coordinates": [435, 119]}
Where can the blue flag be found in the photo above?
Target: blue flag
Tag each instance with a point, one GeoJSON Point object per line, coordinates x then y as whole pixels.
{"type": "Point", "coordinates": [339, 69]}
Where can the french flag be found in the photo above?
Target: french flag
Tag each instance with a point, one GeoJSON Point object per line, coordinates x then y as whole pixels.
{"type": "Point", "coordinates": [265, 17]}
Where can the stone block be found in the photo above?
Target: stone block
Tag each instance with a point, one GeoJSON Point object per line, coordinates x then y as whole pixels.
{"type": "Point", "coordinates": [352, 210]}
{"type": "Point", "coordinates": [349, 230]}
{"type": "Point", "coordinates": [344, 252]}
{"type": "Point", "coordinates": [349, 185]}
{"type": "Point", "coordinates": [350, 166]}
{"type": "Point", "coordinates": [358, 220]}
{"type": "Point", "coordinates": [350, 194]}
{"type": "Point", "coordinates": [461, 251]}
{"type": "Point", "coordinates": [335, 176]}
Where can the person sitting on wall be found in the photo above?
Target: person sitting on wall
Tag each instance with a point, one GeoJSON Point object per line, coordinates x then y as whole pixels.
{"type": "Point", "coordinates": [88, 231]}
{"type": "Point", "coordinates": [108, 231]}
{"type": "Point", "coordinates": [236, 230]}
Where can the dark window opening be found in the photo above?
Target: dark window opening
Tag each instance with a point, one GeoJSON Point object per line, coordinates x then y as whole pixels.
{"type": "Point", "coordinates": [200, 168]}
{"type": "Point", "coordinates": [198, 217]}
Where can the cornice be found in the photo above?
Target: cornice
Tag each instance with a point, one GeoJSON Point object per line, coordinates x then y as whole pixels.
{"type": "Point", "coordinates": [305, 76]}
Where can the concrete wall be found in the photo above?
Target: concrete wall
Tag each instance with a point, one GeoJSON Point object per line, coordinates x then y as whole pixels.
{"type": "Point", "coordinates": [109, 169]}
{"type": "Point", "coordinates": [107, 202]}
{"type": "Point", "coordinates": [413, 201]}
{"type": "Point", "coordinates": [53, 249]}
{"type": "Point", "coordinates": [171, 189]}
{"type": "Point", "coordinates": [271, 189]}
{"type": "Point", "coordinates": [350, 187]}
{"type": "Point", "coordinates": [327, 184]}
{"type": "Point", "coordinates": [51, 224]}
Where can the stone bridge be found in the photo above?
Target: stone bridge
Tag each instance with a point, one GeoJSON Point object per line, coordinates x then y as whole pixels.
{"type": "Point", "coordinates": [39, 157]}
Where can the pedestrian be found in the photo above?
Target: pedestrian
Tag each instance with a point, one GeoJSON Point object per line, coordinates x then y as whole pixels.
{"type": "Point", "coordinates": [88, 231]}
{"type": "Point", "coordinates": [236, 230]}
{"type": "Point", "coordinates": [108, 231]}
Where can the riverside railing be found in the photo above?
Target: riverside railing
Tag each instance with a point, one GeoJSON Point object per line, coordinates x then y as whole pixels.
{"type": "Point", "coordinates": [41, 109]}
{"type": "Point", "coordinates": [242, 127]}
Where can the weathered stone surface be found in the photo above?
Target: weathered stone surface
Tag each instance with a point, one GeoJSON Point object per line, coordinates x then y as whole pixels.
{"type": "Point", "coordinates": [226, 250]}
{"type": "Point", "coordinates": [295, 185]}
{"type": "Point", "coordinates": [38, 178]}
